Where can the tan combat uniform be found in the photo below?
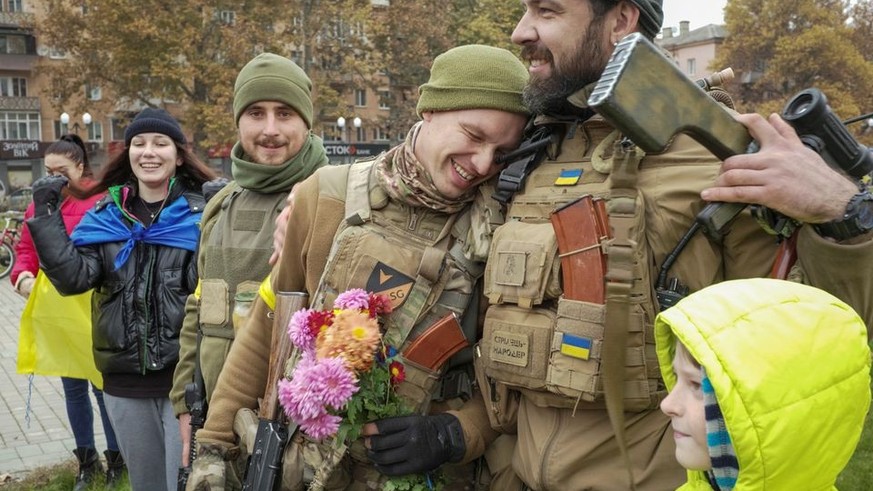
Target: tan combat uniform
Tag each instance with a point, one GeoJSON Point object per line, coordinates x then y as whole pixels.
{"type": "Point", "coordinates": [555, 402]}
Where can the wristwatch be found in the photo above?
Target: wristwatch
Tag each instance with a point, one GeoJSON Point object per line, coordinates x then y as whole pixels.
{"type": "Point", "coordinates": [857, 220]}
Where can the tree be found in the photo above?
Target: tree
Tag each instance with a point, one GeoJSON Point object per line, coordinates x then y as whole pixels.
{"type": "Point", "coordinates": [488, 22]}
{"type": "Point", "coordinates": [779, 48]}
{"type": "Point", "coordinates": [188, 53]}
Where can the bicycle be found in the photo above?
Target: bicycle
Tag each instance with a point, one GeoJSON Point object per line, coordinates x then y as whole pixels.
{"type": "Point", "coordinates": [9, 238]}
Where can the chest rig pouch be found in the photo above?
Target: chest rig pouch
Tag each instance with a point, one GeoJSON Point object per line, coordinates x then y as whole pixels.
{"type": "Point", "coordinates": [536, 341]}
{"type": "Point", "coordinates": [237, 234]}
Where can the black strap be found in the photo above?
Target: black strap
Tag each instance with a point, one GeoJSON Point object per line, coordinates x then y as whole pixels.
{"type": "Point", "coordinates": [522, 162]}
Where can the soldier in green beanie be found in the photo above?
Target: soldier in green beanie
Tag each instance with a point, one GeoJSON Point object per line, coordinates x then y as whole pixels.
{"type": "Point", "coordinates": [414, 224]}
{"type": "Point", "coordinates": [581, 392]}
{"type": "Point", "coordinates": [272, 109]}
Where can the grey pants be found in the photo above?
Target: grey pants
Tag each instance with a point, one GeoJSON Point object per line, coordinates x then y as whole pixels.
{"type": "Point", "coordinates": [149, 440]}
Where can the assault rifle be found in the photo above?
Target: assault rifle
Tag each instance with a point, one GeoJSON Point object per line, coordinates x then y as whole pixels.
{"type": "Point", "coordinates": [195, 400]}
{"type": "Point", "coordinates": [264, 467]}
{"type": "Point", "coordinates": [650, 100]}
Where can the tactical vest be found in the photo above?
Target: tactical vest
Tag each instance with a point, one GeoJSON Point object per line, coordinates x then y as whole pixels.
{"type": "Point", "coordinates": [529, 323]}
{"type": "Point", "coordinates": [410, 254]}
{"type": "Point", "coordinates": [237, 244]}
{"type": "Point", "coordinates": [413, 256]}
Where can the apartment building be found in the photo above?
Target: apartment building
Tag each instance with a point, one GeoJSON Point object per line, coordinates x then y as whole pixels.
{"type": "Point", "coordinates": [693, 50]}
{"type": "Point", "coordinates": [31, 119]}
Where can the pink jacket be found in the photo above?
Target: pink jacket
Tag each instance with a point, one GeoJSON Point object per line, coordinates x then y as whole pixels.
{"type": "Point", "coordinates": [72, 211]}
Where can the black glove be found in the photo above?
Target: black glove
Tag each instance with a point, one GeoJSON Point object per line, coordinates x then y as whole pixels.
{"type": "Point", "coordinates": [47, 194]}
{"type": "Point", "coordinates": [211, 188]}
{"type": "Point", "coordinates": [415, 444]}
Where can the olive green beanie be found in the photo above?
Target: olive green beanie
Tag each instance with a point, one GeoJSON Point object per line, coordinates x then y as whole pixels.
{"type": "Point", "coordinates": [270, 77]}
{"type": "Point", "coordinates": [474, 77]}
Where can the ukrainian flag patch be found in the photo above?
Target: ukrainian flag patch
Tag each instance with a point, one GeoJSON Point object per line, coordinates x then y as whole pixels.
{"type": "Point", "coordinates": [576, 346]}
{"type": "Point", "coordinates": [568, 177]}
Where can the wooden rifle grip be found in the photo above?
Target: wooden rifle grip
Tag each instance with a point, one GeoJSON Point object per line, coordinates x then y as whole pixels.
{"type": "Point", "coordinates": [287, 303]}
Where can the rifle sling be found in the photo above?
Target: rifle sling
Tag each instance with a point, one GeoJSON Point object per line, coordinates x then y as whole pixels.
{"type": "Point", "coordinates": [619, 281]}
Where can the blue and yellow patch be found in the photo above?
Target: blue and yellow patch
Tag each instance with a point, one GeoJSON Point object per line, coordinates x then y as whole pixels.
{"type": "Point", "coordinates": [576, 346]}
{"type": "Point", "coordinates": [568, 177]}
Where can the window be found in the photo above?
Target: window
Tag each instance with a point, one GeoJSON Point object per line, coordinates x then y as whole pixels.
{"type": "Point", "coordinates": [330, 132]}
{"type": "Point", "coordinates": [13, 87]}
{"type": "Point", "coordinates": [95, 131]}
{"type": "Point", "coordinates": [360, 97]}
{"type": "Point", "coordinates": [692, 66]}
{"type": "Point", "coordinates": [93, 92]}
{"type": "Point", "coordinates": [384, 99]}
{"type": "Point", "coordinates": [13, 45]}
{"type": "Point", "coordinates": [13, 6]}
{"type": "Point", "coordinates": [361, 134]}
{"type": "Point", "coordinates": [19, 126]}
{"type": "Point", "coordinates": [379, 134]}
{"type": "Point", "coordinates": [118, 126]}
{"type": "Point", "coordinates": [227, 17]}
{"type": "Point", "coordinates": [297, 57]}
{"type": "Point", "coordinates": [60, 129]}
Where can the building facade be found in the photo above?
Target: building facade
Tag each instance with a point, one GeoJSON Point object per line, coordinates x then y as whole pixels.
{"type": "Point", "coordinates": [693, 50]}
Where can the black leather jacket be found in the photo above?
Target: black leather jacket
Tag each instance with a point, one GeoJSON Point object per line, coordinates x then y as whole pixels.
{"type": "Point", "coordinates": [136, 311]}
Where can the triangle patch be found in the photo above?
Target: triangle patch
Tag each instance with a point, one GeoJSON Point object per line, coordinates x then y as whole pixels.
{"type": "Point", "coordinates": [387, 281]}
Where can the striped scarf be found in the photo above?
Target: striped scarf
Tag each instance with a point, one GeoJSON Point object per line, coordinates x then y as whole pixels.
{"type": "Point", "coordinates": [725, 468]}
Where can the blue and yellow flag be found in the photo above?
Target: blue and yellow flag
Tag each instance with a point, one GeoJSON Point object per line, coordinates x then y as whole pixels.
{"type": "Point", "coordinates": [576, 346]}
{"type": "Point", "coordinates": [568, 177]}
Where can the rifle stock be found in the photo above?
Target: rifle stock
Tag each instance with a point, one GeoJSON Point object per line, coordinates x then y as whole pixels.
{"type": "Point", "coordinates": [650, 100]}
{"type": "Point", "coordinates": [265, 463]}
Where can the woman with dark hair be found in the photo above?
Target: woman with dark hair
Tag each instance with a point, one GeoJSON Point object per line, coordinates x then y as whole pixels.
{"type": "Point", "coordinates": [64, 341]}
{"type": "Point", "coordinates": [136, 248]}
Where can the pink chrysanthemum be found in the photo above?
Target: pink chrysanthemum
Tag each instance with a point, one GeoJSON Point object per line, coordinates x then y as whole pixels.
{"type": "Point", "coordinates": [321, 427]}
{"type": "Point", "coordinates": [354, 299]}
{"type": "Point", "coordinates": [300, 332]}
{"type": "Point", "coordinates": [294, 394]}
{"type": "Point", "coordinates": [332, 382]}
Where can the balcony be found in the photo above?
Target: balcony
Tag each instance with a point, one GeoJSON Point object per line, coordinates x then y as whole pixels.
{"type": "Point", "coordinates": [17, 19]}
{"type": "Point", "coordinates": [19, 104]}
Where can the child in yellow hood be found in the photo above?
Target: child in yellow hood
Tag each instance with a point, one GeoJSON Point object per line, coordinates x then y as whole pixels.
{"type": "Point", "coordinates": [769, 385]}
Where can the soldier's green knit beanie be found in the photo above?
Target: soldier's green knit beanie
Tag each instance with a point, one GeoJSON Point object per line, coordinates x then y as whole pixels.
{"type": "Point", "coordinates": [270, 77]}
{"type": "Point", "coordinates": [474, 77]}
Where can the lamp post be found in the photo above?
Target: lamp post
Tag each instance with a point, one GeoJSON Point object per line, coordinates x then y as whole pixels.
{"type": "Point", "coordinates": [86, 119]}
{"type": "Point", "coordinates": [341, 123]}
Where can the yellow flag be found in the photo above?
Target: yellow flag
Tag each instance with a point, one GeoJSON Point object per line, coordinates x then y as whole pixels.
{"type": "Point", "coordinates": [55, 334]}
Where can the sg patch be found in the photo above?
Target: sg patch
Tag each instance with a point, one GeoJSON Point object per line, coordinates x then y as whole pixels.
{"type": "Point", "coordinates": [387, 281]}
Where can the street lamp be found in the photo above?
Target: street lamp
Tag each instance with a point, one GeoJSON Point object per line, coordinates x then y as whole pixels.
{"type": "Point", "coordinates": [86, 118]}
{"type": "Point", "coordinates": [341, 123]}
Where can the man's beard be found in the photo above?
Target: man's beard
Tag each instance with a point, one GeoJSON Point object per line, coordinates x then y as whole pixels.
{"type": "Point", "coordinates": [549, 95]}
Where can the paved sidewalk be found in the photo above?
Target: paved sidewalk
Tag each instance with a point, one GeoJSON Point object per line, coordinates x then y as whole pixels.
{"type": "Point", "coordinates": [47, 440]}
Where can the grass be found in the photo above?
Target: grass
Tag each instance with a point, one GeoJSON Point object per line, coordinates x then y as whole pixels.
{"type": "Point", "coordinates": [60, 477]}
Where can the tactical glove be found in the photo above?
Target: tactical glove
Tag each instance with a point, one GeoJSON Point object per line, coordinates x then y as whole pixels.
{"type": "Point", "coordinates": [209, 470]}
{"type": "Point", "coordinates": [211, 188]}
{"type": "Point", "coordinates": [415, 444]}
{"type": "Point", "coordinates": [47, 194]}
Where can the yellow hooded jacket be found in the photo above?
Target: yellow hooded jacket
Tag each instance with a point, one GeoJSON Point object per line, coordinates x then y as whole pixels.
{"type": "Point", "coordinates": [790, 367]}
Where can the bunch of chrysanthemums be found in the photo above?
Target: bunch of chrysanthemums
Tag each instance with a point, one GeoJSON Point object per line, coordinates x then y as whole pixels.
{"type": "Point", "coordinates": [346, 373]}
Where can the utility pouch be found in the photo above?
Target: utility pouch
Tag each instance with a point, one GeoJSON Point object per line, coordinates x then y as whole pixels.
{"type": "Point", "coordinates": [213, 302]}
{"type": "Point", "coordinates": [574, 365]}
{"type": "Point", "coordinates": [417, 386]}
{"type": "Point", "coordinates": [522, 268]}
{"type": "Point", "coordinates": [515, 345]}
{"type": "Point", "coordinates": [500, 400]}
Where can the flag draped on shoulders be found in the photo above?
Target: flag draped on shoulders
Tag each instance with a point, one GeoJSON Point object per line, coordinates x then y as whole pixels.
{"type": "Point", "coordinates": [177, 226]}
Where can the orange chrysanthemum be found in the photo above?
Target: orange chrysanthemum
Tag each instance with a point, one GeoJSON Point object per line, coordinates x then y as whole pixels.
{"type": "Point", "coordinates": [354, 336]}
